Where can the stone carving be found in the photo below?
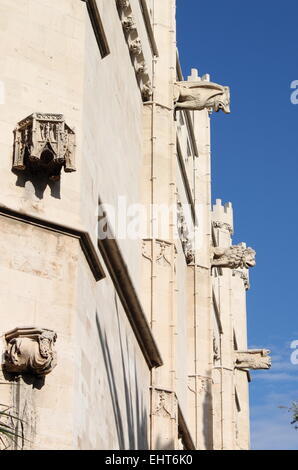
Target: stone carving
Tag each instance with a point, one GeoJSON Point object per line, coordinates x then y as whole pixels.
{"type": "Point", "coordinates": [142, 68]}
{"type": "Point", "coordinates": [237, 256]}
{"type": "Point", "coordinates": [223, 225]}
{"type": "Point", "coordinates": [135, 46]}
{"type": "Point", "coordinates": [162, 258]}
{"type": "Point", "coordinates": [145, 253]}
{"type": "Point", "coordinates": [184, 234]}
{"type": "Point", "coordinates": [147, 91]}
{"type": "Point", "coordinates": [128, 23]}
{"type": "Point", "coordinates": [44, 143]}
{"type": "Point", "coordinates": [253, 359]}
{"type": "Point", "coordinates": [123, 3]}
{"type": "Point", "coordinates": [198, 95]}
{"type": "Point", "coordinates": [30, 350]}
{"type": "Point", "coordinates": [216, 353]}
{"type": "Point", "coordinates": [166, 402]}
{"type": "Point", "coordinates": [244, 276]}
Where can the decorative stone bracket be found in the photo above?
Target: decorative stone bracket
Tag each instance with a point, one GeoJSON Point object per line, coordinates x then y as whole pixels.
{"type": "Point", "coordinates": [30, 350]}
{"type": "Point", "coordinates": [253, 359]}
{"type": "Point", "coordinates": [44, 143]}
{"type": "Point", "coordinates": [237, 256]}
{"type": "Point", "coordinates": [135, 48]}
{"type": "Point", "coordinates": [201, 94]}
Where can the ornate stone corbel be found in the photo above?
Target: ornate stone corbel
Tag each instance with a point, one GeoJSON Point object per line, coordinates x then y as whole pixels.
{"type": "Point", "coordinates": [237, 256]}
{"type": "Point", "coordinates": [135, 47]}
{"type": "Point", "coordinates": [198, 95]}
{"type": "Point", "coordinates": [253, 359]}
{"type": "Point", "coordinates": [44, 143]}
{"type": "Point", "coordinates": [30, 350]}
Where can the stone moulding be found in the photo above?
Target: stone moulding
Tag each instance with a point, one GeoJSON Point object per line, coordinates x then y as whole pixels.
{"type": "Point", "coordinates": [30, 350]}
{"type": "Point", "coordinates": [201, 94]}
{"type": "Point", "coordinates": [253, 359]}
{"type": "Point", "coordinates": [135, 48]}
{"type": "Point", "coordinates": [236, 256]}
{"type": "Point", "coordinates": [44, 143]}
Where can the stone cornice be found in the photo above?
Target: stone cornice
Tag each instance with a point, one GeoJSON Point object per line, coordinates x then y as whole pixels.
{"type": "Point", "coordinates": [83, 237]}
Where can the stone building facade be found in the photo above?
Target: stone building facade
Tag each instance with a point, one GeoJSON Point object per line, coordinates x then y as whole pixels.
{"type": "Point", "coordinates": [118, 330]}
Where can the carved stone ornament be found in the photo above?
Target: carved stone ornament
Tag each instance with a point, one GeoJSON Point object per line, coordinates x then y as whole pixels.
{"type": "Point", "coordinates": [128, 23]}
{"type": "Point", "coordinates": [30, 350]}
{"type": "Point", "coordinates": [123, 3]}
{"type": "Point", "coordinates": [44, 143]}
{"type": "Point", "coordinates": [253, 359]}
{"type": "Point", "coordinates": [237, 256]}
{"type": "Point", "coordinates": [147, 91]}
{"type": "Point", "coordinates": [135, 46]}
{"type": "Point", "coordinates": [184, 235]}
{"type": "Point", "coordinates": [223, 225]}
{"type": "Point", "coordinates": [198, 95]}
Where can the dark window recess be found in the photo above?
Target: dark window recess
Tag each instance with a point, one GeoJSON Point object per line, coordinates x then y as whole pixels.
{"type": "Point", "coordinates": [97, 27]}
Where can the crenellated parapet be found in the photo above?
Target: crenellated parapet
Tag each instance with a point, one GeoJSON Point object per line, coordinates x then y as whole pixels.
{"type": "Point", "coordinates": [222, 216]}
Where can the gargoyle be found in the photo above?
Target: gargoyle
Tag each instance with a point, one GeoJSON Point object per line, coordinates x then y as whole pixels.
{"type": "Point", "coordinates": [237, 256]}
{"type": "Point", "coordinates": [198, 95]}
{"type": "Point", "coordinates": [253, 359]}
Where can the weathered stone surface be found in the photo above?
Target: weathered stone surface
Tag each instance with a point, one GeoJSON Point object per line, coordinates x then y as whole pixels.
{"type": "Point", "coordinates": [201, 95]}
{"type": "Point", "coordinates": [253, 359]}
{"type": "Point", "coordinates": [233, 257]}
{"type": "Point", "coordinates": [30, 350]}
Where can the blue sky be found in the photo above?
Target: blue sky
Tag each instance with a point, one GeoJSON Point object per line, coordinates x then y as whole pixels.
{"type": "Point", "coordinates": [253, 47]}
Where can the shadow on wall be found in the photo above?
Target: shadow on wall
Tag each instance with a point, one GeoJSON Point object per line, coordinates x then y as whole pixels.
{"type": "Point", "coordinates": [135, 412]}
{"type": "Point", "coordinates": [37, 184]}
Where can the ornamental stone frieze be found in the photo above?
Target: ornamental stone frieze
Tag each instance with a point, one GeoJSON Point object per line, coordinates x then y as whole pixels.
{"type": "Point", "coordinates": [201, 94]}
{"type": "Point", "coordinates": [237, 256]}
{"type": "Point", "coordinates": [30, 350]}
{"type": "Point", "coordinates": [44, 143]}
{"type": "Point", "coordinates": [253, 359]}
{"type": "Point", "coordinates": [135, 48]}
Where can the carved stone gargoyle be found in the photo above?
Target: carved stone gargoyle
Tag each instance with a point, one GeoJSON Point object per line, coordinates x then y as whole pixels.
{"type": "Point", "coordinates": [44, 143]}
{"type": "Point", "coordinates": [30, 350]}
{"type": "Point", "coordinates": [198, 95]}
{"type": "Point", "coordinates": [236, 256]}
{"type": "Point", "coordinates": [253, 359]}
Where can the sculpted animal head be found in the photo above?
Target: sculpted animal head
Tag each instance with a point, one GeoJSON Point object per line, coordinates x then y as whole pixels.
{"type": "Point", "coordinates": [202, 94]}
{"type": "Point", "coordinates": [237, 256]}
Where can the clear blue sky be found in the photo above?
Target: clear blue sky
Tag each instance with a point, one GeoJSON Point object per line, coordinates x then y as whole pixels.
{"type": "Point", "coordinates": [253, 47]}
